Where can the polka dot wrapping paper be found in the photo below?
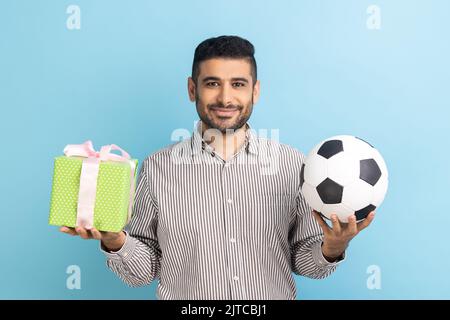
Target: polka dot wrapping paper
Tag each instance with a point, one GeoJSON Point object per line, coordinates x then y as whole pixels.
{"type": "Point", "coordinates": [112, 194]}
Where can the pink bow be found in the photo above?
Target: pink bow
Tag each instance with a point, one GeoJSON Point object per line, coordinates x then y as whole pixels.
{"type": "Point", "coordinates": [86, 149]}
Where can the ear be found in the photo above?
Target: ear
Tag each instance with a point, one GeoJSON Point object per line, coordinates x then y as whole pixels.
{"type": "Point", "coordinates": [191, 89]}
{"type": "Point", "coordinates": [256, 88]}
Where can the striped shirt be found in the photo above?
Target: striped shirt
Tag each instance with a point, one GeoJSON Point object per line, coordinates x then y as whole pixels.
{"type": "Point", "coordinates": [206, 228]}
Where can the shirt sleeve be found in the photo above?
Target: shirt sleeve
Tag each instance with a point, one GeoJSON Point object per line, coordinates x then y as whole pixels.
{"type": "Point", "coordinates": [305, 238]}
{"type": "Point", "coordinates": [137, 263]}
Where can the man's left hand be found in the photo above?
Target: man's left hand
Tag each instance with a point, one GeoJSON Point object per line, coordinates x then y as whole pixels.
{"type": "Point", "coordinates": [337, 237]}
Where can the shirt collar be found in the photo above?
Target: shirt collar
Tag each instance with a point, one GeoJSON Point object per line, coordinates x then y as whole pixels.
{"type": "Point", "coordinates": [198, 144]}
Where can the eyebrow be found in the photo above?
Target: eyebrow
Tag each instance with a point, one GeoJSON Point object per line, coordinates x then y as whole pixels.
{"type": "Point", "coordinates": [218, 79]}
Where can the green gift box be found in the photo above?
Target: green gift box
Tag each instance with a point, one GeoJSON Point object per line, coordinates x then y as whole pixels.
{"type": "Point", "coordinates": [113, 193]}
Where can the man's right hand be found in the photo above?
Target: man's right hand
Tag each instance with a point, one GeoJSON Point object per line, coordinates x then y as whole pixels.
{"type": "Point", "coordinates": [112, 241]}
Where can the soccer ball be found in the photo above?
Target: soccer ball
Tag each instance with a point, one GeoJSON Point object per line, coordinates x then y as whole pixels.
{"type": "Point", "coordinates": [344, 175]}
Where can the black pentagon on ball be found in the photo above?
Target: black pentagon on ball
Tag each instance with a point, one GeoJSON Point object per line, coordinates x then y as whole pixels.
{"type": "Point", "coordinates": [330, 192]}
{"type": "Point", "coordinates": [369, 171]}
{"type": "Point", "coordinates": [330, 148]}
{"type": "Point", "coordinates": [302, 175]}
{"type": "Point", "coordinates": [362, 214]}
{"type": "Point", "coordinates": [364, 141]}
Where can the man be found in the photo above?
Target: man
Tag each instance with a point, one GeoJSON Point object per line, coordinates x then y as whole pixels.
{"type": "Point", "coordinates": [210, 221]}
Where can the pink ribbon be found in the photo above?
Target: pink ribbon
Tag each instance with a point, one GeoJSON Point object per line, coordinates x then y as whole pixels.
{"type": "Point", "coordinates": [89, 174]}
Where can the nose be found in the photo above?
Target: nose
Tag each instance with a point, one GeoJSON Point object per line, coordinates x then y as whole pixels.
{"type": "Point", "coordinates": [225, 96]}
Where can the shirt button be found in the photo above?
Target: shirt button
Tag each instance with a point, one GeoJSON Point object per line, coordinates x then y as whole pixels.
{"type": "Point", "coordinates": [230, 201]}
{"type": "Point", "coordinates": [235, 278]}
{"type": "Point", "coordinates": [233, 240]}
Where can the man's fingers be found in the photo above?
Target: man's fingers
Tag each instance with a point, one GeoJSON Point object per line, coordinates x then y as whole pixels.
{"type": "Point", "coordinates": [68, 230]}
{"type": "Point", "coordinates": [352, 227]}
{"type": "Point", "coordinates": [365, 223]}
{"type": "Point", "coordinates": [321, 222]}
{"type": "Point", "coordinates": [336, 224]}
{"type": "Point", "coordinates": [82, 232]}
{"type": "Point", "coordinates": [96, 234]}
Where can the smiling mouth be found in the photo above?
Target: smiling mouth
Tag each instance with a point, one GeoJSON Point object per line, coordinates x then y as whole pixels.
{"type": "Point", "coordinates": [224, 112]}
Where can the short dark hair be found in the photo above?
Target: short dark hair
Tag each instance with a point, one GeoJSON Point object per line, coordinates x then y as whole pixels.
{"type": "Point", "coordinates": [230, 47]}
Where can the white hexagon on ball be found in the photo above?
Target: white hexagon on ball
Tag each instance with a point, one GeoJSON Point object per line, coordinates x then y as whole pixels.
{"type": "Point", "coordinates": [343, 168]}
{"type": "Point", "coordinates": [357, 195]}
{"type": "Point", "coordinates": [379, 191]}
{"type": "Point", "coordinates": [312, 197]}
{"type": "Point", "coordinates": [341, 210]}
{"type": "Point", "coordinates": [315, 169]}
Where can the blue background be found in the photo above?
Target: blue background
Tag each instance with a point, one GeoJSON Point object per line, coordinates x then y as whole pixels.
{"type": "Point", "coordinates": [121, 79]}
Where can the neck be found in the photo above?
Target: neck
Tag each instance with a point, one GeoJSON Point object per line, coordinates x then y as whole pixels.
{"type": "Point", "coordinates": [225, 144]}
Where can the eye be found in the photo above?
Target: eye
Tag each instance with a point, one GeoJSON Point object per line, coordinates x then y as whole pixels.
{"type": "Point", "coordinates": [212, 84]}
{"type": "Point", "coordinates": [238, 84]}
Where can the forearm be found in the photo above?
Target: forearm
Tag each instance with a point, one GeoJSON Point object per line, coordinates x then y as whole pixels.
{"type": "Point", "coordinates": [308, 260]}
{"type": "Point", "coordinates": [136, 263]}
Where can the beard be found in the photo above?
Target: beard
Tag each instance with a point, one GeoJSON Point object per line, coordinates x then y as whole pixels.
{"type": "Point", "coordinates": [244, 113]}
